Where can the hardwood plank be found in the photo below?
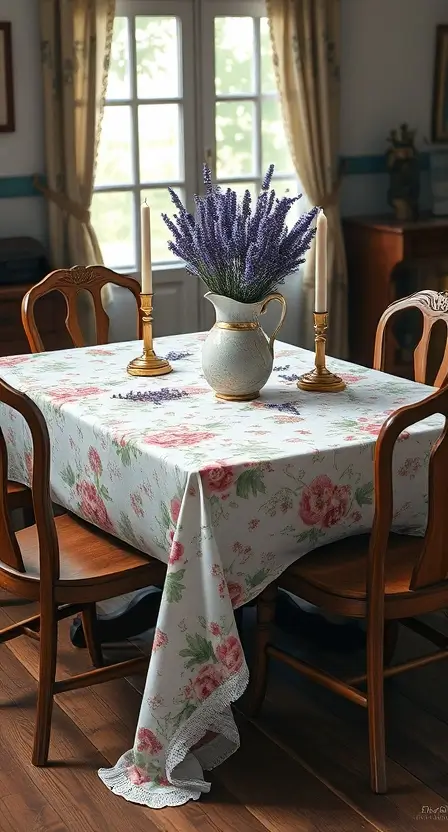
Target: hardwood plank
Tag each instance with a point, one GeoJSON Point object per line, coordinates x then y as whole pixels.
{"type": "Point", "coordinates": [310, 725]}
{"type": "Point", "coordinates": [107, 715]}
{"type": "Point", "coordinates": [336, 749]}
{"type": "Point", "coordinates": [218, 811]}
{"type": "Point", "coordinates": [418, 699]}
{"type": "Point", "coordinates": [93, 708]}
{"type": "Point", "coordinates": [282, 794]}
{"type": "Point", "coordinates": [18, 810]}
{"type": "Point", "coordinates": [427, 687]}
{"type": "Point", "coordinates": [422, 750]}
{"type": "Point", "coordinates": [22, 804]}
{"type": "Point", "coordinates": [70, 784]}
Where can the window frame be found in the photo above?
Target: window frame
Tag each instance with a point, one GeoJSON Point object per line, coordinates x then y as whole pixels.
{"type": "Point", "coordinates": [198, 103]}
{"type": "Point", "coordinates": [182, 9]}
{"type": "Point", "coordinates": [234, 8]}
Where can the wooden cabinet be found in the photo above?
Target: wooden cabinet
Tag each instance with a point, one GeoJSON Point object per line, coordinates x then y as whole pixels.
{"type": "Point", "coordinates": [378, 251]}
{"type": "Point", "coordinates": [50, 317]}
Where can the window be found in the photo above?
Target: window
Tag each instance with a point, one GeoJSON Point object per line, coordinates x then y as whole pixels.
{"type": "Point", "coordinates": [175, 98]}
{"type": "Point", "coordinates": [243, 123]}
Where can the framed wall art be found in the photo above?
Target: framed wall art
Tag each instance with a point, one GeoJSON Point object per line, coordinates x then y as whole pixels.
{"type": "Point", "coordinates": [440, 92]}
{"type": "Point", "coordinates": [6, 80]}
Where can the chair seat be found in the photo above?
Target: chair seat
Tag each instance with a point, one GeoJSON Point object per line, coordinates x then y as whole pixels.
{"type": "Point", "coordinates": [338, 573]}
{"type": "Point", "coordinates": [15, 487]}
{"type": "Point", "coordinates": [87, 555]}
{"type": "Point", "coordinates": [18, 495]}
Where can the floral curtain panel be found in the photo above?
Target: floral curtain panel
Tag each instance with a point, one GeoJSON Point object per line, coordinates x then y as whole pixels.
{"type": "Point", "coordinates": [305, 38]}
{"type": "Point", "coordinates": [76, 40]}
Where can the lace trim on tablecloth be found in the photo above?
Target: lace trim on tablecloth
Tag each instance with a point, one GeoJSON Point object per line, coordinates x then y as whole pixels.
{"type": "Point", "coordinates": [214, 714]}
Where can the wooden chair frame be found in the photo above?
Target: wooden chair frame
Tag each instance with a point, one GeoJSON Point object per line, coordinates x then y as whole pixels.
{"type": "Point", "coordinates": [70, 282]}
{"type": "Point", "coordinates": [434, 307]}
{"type": "Point", "coordinates": [427, 592]}
{"type": "Point", "coordinates": [57, 598]}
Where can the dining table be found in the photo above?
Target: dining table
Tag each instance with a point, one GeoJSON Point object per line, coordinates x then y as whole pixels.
{"type": "Point", "coordinates": [227, 494]}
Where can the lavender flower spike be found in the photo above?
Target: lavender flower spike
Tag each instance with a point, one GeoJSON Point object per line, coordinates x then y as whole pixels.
{"type": "Point", "coordinates": [239, 249]}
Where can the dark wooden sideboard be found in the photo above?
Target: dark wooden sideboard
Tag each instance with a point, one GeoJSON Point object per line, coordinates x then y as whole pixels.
{"type": "Point", "coordinates": [50, 317]}
{"type": "Point", "coordinates": [379, 250]}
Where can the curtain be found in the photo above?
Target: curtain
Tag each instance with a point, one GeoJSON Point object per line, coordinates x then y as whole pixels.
{"type": "Point", "coordinates": [76, 40]}
{"type": "Point", "coordinates": [305, 37]}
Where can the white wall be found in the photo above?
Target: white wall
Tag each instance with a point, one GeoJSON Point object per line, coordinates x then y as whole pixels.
{"type": "Point", "coordinates": [387, 76]}
{"type": "Point", "coordinates": [22, 152]}
{"type": "Point", "coordinates": [387, 73]}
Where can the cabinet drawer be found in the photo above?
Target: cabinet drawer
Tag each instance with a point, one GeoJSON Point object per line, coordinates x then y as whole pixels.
{"type": "Point", "coordinates": [14, 347]}
{"type": "Point", "coordinates": [10, 320]}
{"type": "Point", "coordinates": [433, 243]}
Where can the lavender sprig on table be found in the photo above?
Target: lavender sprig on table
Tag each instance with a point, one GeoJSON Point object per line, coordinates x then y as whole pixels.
{"type": "Point", "coordinates": [293, 377]}
{"type": "Point", "coordinates": [177, 356]}
{"type": "Point", "coordinates": [240, 250]}
{"type": "Point", "coordinates": [283, 407]}
{"type": "Point", "coordinates": [165, 394]}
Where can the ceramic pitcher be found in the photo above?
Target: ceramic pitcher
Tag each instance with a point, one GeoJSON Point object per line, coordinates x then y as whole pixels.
{"type": "Point", "coordinates": [237, 356]}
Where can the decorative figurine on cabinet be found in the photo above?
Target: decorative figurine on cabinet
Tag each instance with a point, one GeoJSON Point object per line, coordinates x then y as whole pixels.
{"type": "Point", "coordinates": [404, 169]}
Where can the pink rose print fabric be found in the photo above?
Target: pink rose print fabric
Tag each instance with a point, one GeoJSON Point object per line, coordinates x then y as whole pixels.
{"type": "Point", "coordinates": [323, 503]}
{"type": "Point", "coordinates": [226, 494]}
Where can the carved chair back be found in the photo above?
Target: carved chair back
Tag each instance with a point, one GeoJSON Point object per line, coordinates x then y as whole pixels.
{"type": "Point", "coordinates": [434, 307]}
{"type": "Point", "coordinates": [70, 282]}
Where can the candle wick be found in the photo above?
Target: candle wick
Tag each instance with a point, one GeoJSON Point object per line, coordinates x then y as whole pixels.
{"type": "Point", "coordinates": [146, 203]}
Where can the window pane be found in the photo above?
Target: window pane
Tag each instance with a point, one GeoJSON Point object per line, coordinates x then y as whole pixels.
{"type": "Point", "coordinates": [160, 202]}
{"type": "Point", "coordinates": [275, 148]}
{"type": "Point", "coordinates": [118, 82]}
{"type": "Point", "coordinates": [159, 132]}
{"type": "Point", "coordinates": [268, 82]}
{"type": "Point", "coordinates": [234, 138]}
{"type": "Point", "coordinates": [291, 187]}
{"type": "Point", "coordinates": [234, 55]}
{"type": "Point", "coordinates": [113, 221]}
{"type": "Point", "coordinates": [114, 163]}
{"type": "Point", "coordinates": [241, 187]}
{"type": "Point", "coordinates": [158, 49]}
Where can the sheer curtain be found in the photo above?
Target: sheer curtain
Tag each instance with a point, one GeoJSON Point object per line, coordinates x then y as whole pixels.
{"type": "Point", "coordinates": [305, 37]}
{"type": "Point", "coordinates": [76, 39]}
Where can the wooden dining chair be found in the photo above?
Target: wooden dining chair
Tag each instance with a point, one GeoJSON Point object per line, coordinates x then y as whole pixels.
{"type": "Point", "coordinates": [67, 566]}
{"type": "Point", "coordinates": [18, 496]}
{"type": "Point", "coordinates": [384, 578]}
{"type": "Point", "coordinates": [70, 282]}
{"type": "Point", "coordinates": [434, 307]}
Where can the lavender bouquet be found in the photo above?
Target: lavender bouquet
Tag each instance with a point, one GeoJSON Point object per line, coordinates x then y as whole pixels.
{"type": "Point", "coordinates": [240, 251]}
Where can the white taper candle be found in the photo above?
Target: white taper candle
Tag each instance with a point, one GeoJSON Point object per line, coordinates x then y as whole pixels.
{"type": "Point", "coordinates": [146, 250]}
{"type": "Point", "coordinates": [320, 303]}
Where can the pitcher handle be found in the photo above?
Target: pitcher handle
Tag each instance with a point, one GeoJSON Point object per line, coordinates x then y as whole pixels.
{"type": "Point", "coordinates": [281, 299]}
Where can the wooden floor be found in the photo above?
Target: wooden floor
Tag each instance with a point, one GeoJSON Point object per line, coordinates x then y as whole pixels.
{"type": "Point", "coordinates": [301, 767]}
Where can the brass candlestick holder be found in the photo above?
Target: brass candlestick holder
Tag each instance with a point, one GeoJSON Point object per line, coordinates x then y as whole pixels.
{"type": "Point", "coordinates": [320, 380]}
{"type": "Point", "coordinates": [148, 364]}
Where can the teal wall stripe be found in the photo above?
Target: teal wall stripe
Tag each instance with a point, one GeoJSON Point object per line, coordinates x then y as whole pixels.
{"type": "Point", "coordinates": [22, 186]}
{"type": "Point", "coordinates": [17, 186]}
{"type": "Point", "coordinates": [362, 165]}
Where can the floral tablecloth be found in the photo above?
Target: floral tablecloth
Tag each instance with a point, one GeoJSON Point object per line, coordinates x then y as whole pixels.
{"type": "Point", "coordinates": [227, 494]}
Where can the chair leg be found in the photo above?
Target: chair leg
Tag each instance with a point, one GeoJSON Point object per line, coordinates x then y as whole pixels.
{"type": "Point", "coordinates": [375, 707]}
{"type": "Point", "coordinates": [256, 690]}
{"type": "Point", "coordinates": [47, 675]}
{"type": "Point", "coordinates": [90, 627]}
{"type": "Point", "coordinates": [391, 628]}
